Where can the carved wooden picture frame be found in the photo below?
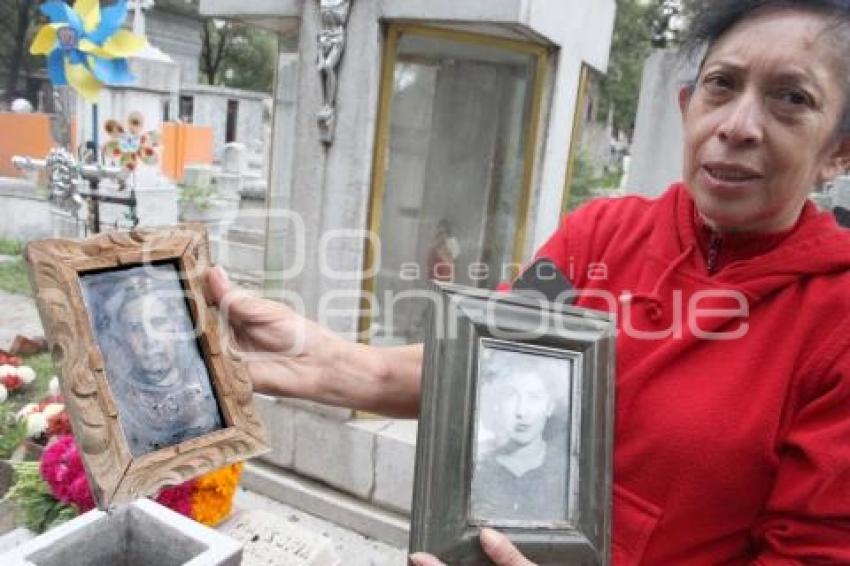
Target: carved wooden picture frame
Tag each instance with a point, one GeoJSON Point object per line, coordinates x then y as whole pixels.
{"type": "Point", "coordinates": [560, 511]}
{"type": "Point", "coordinates": [97, 398]}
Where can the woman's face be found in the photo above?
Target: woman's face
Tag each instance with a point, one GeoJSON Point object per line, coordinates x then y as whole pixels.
{"type": "Point", "coordinates": [524, 407]}
{"type": "Point", "coordinates": [760, 126]}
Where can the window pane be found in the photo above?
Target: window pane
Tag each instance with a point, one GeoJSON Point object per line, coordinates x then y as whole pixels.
{"type": "Point", "coordinates": [454, 174]}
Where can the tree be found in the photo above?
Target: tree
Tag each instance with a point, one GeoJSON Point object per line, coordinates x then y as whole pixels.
{"type": "Point", "coordinates": [639, 28]}
{"type": "Point", "coordinates": [667, 20]}
{"type": "Point", "coordinates": [216, 36]}
{"type": "Point", "coordinates": [238, 55]}
{"type": "Point", "coordinates": [17, 23]}
{"type": "Point", "coordinates": [630, 46]}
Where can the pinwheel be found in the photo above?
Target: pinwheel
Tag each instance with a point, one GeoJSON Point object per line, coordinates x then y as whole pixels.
{"type": "Point", "coordinates": [86, 47]}
{"type": "Point", "coordinates": [131, 145]}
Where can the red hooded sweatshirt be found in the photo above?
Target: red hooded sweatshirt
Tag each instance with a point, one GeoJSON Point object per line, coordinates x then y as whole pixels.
{"type": "Point", "coordinates": [732, 447]}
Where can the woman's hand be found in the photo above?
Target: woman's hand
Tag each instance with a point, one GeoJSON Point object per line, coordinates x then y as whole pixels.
{"type": "Point", "coordinates": [286, 354]}
{"type": "Point", "coordinates": [290, 356]}
{"type": "Point", "coordinates": [496, 545]}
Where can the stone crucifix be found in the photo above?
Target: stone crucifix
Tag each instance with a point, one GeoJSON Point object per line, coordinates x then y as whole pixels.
{"type": "Point", "coordinates": [331, 42]}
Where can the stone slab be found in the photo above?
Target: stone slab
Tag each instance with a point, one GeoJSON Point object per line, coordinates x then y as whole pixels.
{"type": "Point", "coordinates": [395, 457]}
{"type": "Point", "coordinates": [24, 215]}
{"type": "Point", "coordinates": [332, 505]}
{"type": "Point", "coordinates": [334, 413]}
{"type": "Point", "coordinates": [658, 125]}
{"type": "Point", "coordinates": [271, 540]}
{"type": "Point", "coordinates": [337, 453]}
{"type": "Point", "coordinates": [20, 316]}
{"type": "Point", "coordinates": [15, 539]}
{"type": "Point", "coordinates": [280, 424]}
{"type": "Point", "coordinates": [237, 256]}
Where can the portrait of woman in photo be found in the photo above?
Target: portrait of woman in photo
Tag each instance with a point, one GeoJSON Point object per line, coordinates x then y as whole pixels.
{"type": "Point", "coordinates": [521, 467]}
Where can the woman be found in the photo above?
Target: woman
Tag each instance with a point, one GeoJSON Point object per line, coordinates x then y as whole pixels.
{"type": "Point", "coordinates": [732, 440]}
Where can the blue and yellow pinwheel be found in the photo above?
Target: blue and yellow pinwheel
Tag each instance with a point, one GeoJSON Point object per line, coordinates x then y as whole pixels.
{"type": "Point", "coordinates": [86, 46]}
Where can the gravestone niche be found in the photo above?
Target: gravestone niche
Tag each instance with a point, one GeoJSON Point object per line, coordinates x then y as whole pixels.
{"type": "Point", "coordinates": [140, 534]}
{"type": "Point", "coordinates": [234, 160]}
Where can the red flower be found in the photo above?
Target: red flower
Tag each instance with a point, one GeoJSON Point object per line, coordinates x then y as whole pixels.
{"type": "Point", "coordinates": [178, 498]}
{"type": "Point", "coordinates": [11, 381]}
{"type": "Point", "coordinates": [58, 425]}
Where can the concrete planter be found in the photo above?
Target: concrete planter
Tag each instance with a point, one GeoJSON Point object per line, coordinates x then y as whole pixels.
{"type": "Point", "coordinates": [142, 533]}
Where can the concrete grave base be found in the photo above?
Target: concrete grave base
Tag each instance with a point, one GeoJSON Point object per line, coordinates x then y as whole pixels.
{"type": "Point", "coordinates": [273, 541]}
{"type": "Point", "coordinates": [140, 534]}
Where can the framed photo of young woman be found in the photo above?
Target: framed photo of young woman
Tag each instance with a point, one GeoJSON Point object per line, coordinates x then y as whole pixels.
{"type": "Point", "coordinates": [516, 428]}
{"type": "Point", "coordinates": [153, 397]}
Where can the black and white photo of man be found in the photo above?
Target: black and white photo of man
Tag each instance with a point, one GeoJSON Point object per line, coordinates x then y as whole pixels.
{"type": "Point", "coordinates": [153, 363]}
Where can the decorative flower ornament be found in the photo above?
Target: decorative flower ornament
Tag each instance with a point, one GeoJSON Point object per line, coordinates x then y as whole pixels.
{"type": "Point", "coordinates": [129, 146]}
{"type": "Point", "coordinates": [85, 46]}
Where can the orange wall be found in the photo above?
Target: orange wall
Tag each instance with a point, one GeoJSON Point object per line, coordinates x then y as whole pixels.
{"type": "Point", "coordinates": [185, 144]}
{"type": "Point", "coordinates": [29, 134]}
{"type": "Point", "coordinates": [23, 134]}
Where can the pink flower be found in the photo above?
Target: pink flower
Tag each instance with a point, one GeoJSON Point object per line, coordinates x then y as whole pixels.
{"type": "Point", "coordinates": [62, 468]}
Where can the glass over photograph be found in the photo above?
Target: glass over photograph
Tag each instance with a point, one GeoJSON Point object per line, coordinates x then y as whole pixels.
{"type": "Point", "coordinates": [521, 463]}
{"type": "Point", "coordinates": [153, 362]}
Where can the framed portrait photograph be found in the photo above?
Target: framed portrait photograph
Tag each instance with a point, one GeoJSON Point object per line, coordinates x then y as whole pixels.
{"type": "Point", "coordinates": [153, 398]}
{"type": "Point", "coordinates": [515, 429]}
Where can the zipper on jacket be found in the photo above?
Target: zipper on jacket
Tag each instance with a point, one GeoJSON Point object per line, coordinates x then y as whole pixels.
{"type": "Point", "coordinates": [713, 252]}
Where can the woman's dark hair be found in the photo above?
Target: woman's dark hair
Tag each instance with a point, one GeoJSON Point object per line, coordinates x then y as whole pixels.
{"type": "Point", "coordinates": [714, 18]}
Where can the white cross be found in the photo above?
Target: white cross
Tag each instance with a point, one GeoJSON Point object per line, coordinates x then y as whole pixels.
{"type": "Point", "coordinates": [138, 16]}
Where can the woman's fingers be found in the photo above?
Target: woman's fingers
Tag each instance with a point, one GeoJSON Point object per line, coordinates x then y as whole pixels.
{"type": "Point", "coordinates": [497, 546]}
{"type": "Point", "coordinates": [422, 559]}
{"type": "Point", "coordinates": [500, 549]}
{"type": "Point", "coordinates": [218, 284]}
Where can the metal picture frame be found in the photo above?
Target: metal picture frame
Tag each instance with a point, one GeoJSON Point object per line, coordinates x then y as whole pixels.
{"type": "Point", "coordinates": [574, 345]}
{"type": "Point", "coordinates": [124, 375]}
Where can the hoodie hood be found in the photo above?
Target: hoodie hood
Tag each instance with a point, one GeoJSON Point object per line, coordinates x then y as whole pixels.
{"type": "Point", "coordinates": [816, 246]}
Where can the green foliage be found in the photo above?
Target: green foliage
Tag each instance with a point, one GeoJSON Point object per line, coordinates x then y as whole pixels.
{"type": "Point", "coordinates": [41, 511]}
{"type": "Point", "coordinates": [17, 19]}
{"type": "Point", "coordinates": [199, 197]}
{"type": "Point", "coordinates": [638, 29]}
{"type": "Point", "coordinates": [13, 277]}
{"type": "Point", "coordinates": [586, 181]}
{"type": "Point", "coordinates": [42, 365]}
{"type": "Point", "coordinates": [12, 431]}
{"type": "Point", "coordinates": [238, 55]}
{"type": "Point", "coordinates": [250, 61]}
{"type": "Point", "coordinates": [10, 247]}
{"type": "Point", "coordinates": [630, 46]}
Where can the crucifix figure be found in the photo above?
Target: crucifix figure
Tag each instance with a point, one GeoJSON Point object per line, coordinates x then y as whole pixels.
{"type": "Point", "coordinates": [138, 15]}
{"type": "Point", "coordinates": [331, 41]}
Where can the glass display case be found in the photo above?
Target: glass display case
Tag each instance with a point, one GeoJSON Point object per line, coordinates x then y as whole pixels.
{"type": "Point", "coordinates": [454, 159]}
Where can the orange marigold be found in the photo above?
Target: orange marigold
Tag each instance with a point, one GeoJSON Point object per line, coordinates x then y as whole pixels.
{"type": "Point", "coordinates": [212, 498]}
